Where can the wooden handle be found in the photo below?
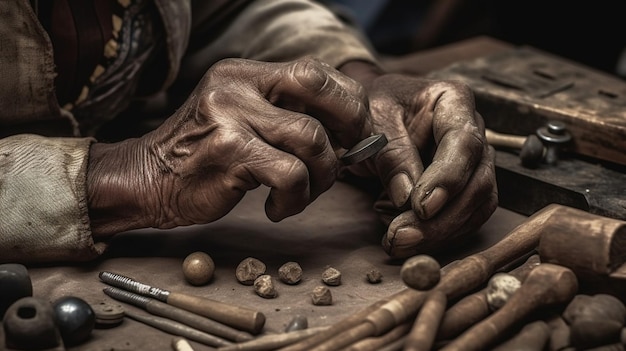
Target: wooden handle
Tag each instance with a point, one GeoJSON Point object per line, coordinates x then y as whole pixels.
{"type": "Point", "coordinates": [178, 329]}
{"type": "Point", "coordinates": [504, 140]}
{"type": "Point", "coordinates": [235, 316]}
{"type": "Point", "coordinates": [197, 321]}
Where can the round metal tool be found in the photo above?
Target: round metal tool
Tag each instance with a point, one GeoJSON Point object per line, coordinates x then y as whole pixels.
{"type": "Point", "coordinates": [364, 149]}
{"type": "Point", "coordinates": [108, 314]}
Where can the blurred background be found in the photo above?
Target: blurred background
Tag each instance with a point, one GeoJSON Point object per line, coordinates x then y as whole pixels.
{"type": "Point", "coordinates": [589, 32]}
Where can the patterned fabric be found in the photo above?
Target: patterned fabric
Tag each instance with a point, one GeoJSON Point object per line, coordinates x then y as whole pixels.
{"type": "Point", "coordinates": [136, 30]}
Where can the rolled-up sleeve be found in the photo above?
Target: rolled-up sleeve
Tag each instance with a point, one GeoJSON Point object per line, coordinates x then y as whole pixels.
{"type": "Point", "coordinates": [43, 203]}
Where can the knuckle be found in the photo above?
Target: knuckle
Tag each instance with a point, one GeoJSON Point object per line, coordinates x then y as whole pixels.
{"type": "Point", "coordinates": [212, 101]}
{"type": "Point", "coordinates": [309, 74]}
{"type": "Point", "coordinates": [226, 143]}
{"type": "Point", "coordinates": [225, 66]}
{"type": "Point", "coordinates": [317, 136]}
{"type": "Point", "coordinates": [452, 85]}
{"type": "Point", "coordinates": [296, 175]}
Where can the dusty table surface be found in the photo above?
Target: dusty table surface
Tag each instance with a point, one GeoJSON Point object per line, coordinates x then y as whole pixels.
{"type": "Point", "coordinates": [340, 230]}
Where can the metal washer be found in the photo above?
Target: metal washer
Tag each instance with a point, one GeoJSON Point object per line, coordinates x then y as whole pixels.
{"type": "Point", "coordinates": [108, 314]}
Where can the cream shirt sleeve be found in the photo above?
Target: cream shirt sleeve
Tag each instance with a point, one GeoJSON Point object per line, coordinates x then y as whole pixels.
{"type": "Point", "coordinates": [282, 30]}
{"type": "Point", "coordinates": [43, 206]}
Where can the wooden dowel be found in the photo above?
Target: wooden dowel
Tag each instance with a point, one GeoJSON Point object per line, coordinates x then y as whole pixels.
{"type": "Point", "coordinates": [178, 329]}
{"type": "Point", "coordinates": [422, 335]}
{"type": "Point", "coordinates": [273, 341]}
{"type": "Point", "coordinates": [375, 343]}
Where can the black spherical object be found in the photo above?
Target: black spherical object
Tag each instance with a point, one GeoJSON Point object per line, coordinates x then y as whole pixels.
{"type": "Point", "coordinates": [15, 283]}
{"type": "Point", "coordinates": [75, 319]}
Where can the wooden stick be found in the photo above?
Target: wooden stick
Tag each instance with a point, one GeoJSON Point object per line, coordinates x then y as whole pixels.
{"type": "Point", "coordinates": [339, 327]}
{"type": "Point", "coordinates": [533, 337]}
{"type": "Point", "coordinates": [422, 335]}
{"type": "Point", "coordinates": [273, 341]}
{"type": "Point", "coordinates": [178, 329]}
{"type": "Point", "coordinates": [375, 343]}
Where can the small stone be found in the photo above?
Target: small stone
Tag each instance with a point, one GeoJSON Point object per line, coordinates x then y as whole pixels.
{"type": "Point", "coordinates": [331, 276]}
{"type": "Point", "coordinates": [290, 273]}
{"type": "Point", "coordinates": [249, 269]}
{"type": "Point", "coordinates": [374, 276]}
{"type": "Point", "coordinates": [421, 272]}
{"type": "Point", "coordinates": [264, 286]}
{"type": "Point", "coordinates": [500, 288]}
{"type": "Point", "coordinates": [298, 322]}
{"type": "Point", "coordinates": [198, 268]}
{"type": "Point", "coordinates": [321, 296]}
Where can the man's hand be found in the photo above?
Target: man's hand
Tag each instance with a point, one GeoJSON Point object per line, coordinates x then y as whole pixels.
{"type": "Point", "coordinates": [247, 123]}
{"type": "Point", "coordinates": [438, 169]}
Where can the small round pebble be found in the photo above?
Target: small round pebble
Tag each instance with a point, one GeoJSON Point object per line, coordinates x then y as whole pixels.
{"type": "Point", "coordinates": [249, 269]}
{"type": "Point", "coordinates": [264, 286]}
{"type": "Point", "coordinates": [198, 268]}
{"type": "Point", "coordinates": [374, 276]}
{"type": "Point", "coordinates": [298, 322]}
{"type": "Point", "coordinates": [421, 272]}
{"type": "Point", "coordinates": [321, 296]}
{"type": "Point", "coordinates": [290, 273]}
{"type": "Point", "coordinates": [500, 288]}
{"type": "Point", "coordinates": [331, 276]}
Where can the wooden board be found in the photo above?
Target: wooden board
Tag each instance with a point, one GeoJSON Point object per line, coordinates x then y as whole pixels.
{"type": "Point", "coordinates": [521, 89]}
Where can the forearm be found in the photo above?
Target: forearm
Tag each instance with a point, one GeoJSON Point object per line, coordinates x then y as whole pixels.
{"type": "Point", "coordinates": [363, 72]}
{"type": "Point", "coordinates": [283, 30]}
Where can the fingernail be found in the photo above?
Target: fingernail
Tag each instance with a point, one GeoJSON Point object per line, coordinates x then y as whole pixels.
{"type": "Point", "coordinates": [433, 202]}
{"type": "Point", "coordinates": [408, 236]}
{"type": "Point", "coordinates": [404, 241]}
{"type": "Point", "coordinates": [400, 188]}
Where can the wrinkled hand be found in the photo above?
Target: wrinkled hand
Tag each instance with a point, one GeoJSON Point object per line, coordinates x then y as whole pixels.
{"type": "Point", "coordinates": [437, 169]}
{"type": "Point", "coordinates": [247, 123]}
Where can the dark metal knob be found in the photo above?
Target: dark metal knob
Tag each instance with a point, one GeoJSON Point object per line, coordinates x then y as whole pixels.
{"type": "Point", "coordinates": [554, 135]}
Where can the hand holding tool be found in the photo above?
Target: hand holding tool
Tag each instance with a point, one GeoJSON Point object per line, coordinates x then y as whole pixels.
{"type": "Point", "coordinates": [364, 149]}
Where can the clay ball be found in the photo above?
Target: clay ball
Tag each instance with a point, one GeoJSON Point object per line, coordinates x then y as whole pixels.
{"type": "Point", "coordinates": [421, 272]}
{"type": "Point", "coordinates": [198, 268]}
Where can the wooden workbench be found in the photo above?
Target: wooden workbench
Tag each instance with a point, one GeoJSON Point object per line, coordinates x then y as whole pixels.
{"type": "Point", "coordinates": [340, 229]}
